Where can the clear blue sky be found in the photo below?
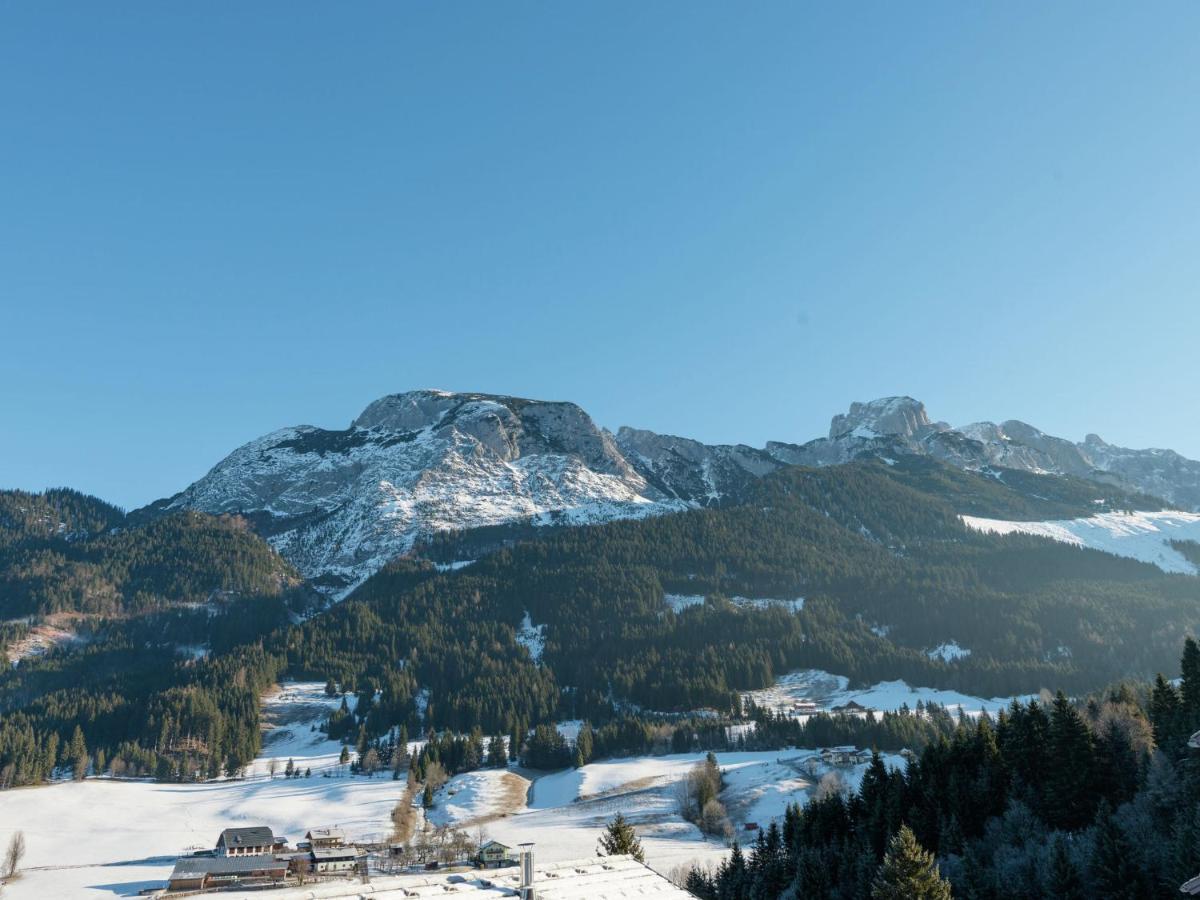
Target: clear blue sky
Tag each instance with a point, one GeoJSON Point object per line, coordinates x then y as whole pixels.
{"type": "Point", "coordinates": [718, 220]}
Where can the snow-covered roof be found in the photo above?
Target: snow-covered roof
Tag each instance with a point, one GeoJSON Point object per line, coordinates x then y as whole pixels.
{"type": "Point", "coordinates": [595, 878]}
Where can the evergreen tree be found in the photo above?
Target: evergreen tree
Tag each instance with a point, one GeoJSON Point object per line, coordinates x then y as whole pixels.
{"type": "Point", "coordinates": [908, 872]}
{"type": "Point", "coordinates": [619, 839]}
{"type": "Point", "coordinates": [1070, 778]}
{"type": "Point", "coordinates": [1115, 872]}
{"type": "Point", "coordinates": [1189, 686]}
{"type": "Point", "coordinates": [1063, 882]}
{"type": "Point", "coordinates": [1165, 715]}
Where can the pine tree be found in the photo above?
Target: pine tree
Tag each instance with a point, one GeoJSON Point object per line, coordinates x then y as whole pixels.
{"type": "Point", "coordinates": [909, 872]}
{"type": "Point", "coordinates": [1116, 874]}
{"type": "Point", "coordinates": [1189, 687]}
{"type": "Point", "coordinates": [1069, 794]}
{"type": "Point", "coordinates": [1063, 881]}
{"type": "Point", "coordinates": [619, 839]}
{"type": "Point", "coordinates": [1164, 713]}
{"type": "Point", "coordinates": [77, 754]}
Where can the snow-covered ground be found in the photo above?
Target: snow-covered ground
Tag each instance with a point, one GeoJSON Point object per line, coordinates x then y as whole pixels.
{"type": "Point", "coordinates": [532, 638]}
{"type": "Point", "coordinates": [565, 812]}
{"type": "Point", "coordinates": [1142, 536]}
{"type": "Point", "coordinates": [831, 691]}
{"type": "Point", "coordinates": [948, 652]}
{"type": "Point", "coordinates": [102, 838]}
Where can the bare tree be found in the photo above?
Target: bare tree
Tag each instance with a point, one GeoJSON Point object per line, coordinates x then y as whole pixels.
{"type": "Point", "coordinates": [273, 767]}
{"type": "Point", "coordinates": [14, 854]}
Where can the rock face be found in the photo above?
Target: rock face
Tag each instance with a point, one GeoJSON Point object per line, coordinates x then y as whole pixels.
{"type": "Point", "coordinates": [689, 471]}
{"type": "Point", "coordinates": [340, 504]}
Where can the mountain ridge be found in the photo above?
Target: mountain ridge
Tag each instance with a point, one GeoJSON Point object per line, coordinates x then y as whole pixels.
{"type": "Point", "coordinates": [339, 504]}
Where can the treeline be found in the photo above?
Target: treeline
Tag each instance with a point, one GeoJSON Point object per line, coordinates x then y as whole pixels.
{"type": "Point", "coordinates": [1054, 801]}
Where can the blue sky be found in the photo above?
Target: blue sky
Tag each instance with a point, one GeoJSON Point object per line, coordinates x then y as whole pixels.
{"type": "Point", "coordinates": [718, 220]}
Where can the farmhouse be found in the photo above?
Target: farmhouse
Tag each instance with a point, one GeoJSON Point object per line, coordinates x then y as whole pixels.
{"type": "Point", "coordinates": [197, 873]}
{"type": "Point", "coordinates": [332, 860]}
{"type": "Point", "coordinates": [324, 838]}
{"type": "Point", "coordinates": [253, 841]}
{"type": "Point", "coordinates": [493, 855]}
{"type": "Point", "coordinates": [844, 756]}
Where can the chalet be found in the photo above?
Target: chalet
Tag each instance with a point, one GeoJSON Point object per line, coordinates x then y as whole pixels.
{"type": "Point", "coordinates": [853, 706]}
{"type": "Point", "coordinates": [198, 873]}
{"type": "Point", "coordinates": [334, 860]}
{"type": "Point", "coordinates": [750, 826]}
{"type": "Point", "coordinates": [324, 838]}
{"type": "Point", "coordinates": [253, 841]}
{"type": "Point", "coordinates": [493, 855]}
{"type": "Point", "coordinates": [844, 756]}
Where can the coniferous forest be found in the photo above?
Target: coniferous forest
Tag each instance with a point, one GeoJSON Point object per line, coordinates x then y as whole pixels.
{"type": "Point", "coordinates": [878, 553]}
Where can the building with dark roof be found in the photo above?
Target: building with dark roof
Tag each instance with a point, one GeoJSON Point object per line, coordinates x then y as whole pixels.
{"type": "Point", "coordinates": [197, 873]}
{"type": "Point", "coordinates": [252, 841]}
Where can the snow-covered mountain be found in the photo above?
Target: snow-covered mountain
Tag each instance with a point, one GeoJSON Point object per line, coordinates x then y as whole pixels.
{"type": "Point", "coordinates": [340, 504]}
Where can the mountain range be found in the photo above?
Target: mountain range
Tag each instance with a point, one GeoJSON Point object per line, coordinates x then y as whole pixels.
{"type": "Point", "coordinates": [338, 504]}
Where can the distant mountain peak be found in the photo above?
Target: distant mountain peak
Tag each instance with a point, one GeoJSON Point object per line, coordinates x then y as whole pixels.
{"type": "Point", "coordinates": [901, 416]}
{"type": "Point", "coordinates": [340, 504]}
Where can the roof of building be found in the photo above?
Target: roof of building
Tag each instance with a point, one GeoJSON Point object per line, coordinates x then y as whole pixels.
{"type": "Point", "coordinates": [594, 878]}
{"type": "Point", "coordinates": [496, 845]}
{"type": "Point", "coordinates": [328, 853]}
{"type": "Point", "coordinates": [254, 836]}
{"type": "Point", "coordinates": [224, 865]}
{"type": "Point", "coordinates": [326, 834]}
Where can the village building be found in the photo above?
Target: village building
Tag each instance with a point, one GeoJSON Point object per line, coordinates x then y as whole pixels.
{"type": "Point", "coordinates": [198, 873]}
{"type": "Point", "coordinates": [844, 756]}
{"type": "Point", "coordinates": [324, 838]}
{"type": "Point", "coordinates": [253, 841]}
{"type": "Point", "coordinates": [334, 860]}
{"type": "Point", "coordinates": [494, 855]}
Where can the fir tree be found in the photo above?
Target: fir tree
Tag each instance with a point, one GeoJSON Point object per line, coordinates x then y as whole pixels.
{"type": "Point", "coordinates": [1189, 686]}
{"type": "Point", "coordinates": [619, 839]}
{"type": "Point", "coordinates": [1069, 795]}
{"type": "Point", "coordinates": [1116, 874]}
{"type": "Point", "coordinates": [1063, 882]}
{"type": "Point", "coordinates": [909, 872]}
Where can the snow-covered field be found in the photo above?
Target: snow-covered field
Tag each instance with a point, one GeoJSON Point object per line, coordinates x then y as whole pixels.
{"type": "Point", "coordinates": [102, 838]}
{"type": "Point", "coordinates": [1142, 536]}
{"type": "Point", "coordinates": [830, 691]}
{"type": "Point", "coordinates": [565, 812]}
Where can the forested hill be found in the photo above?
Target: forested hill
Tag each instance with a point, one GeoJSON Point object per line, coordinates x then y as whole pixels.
{"type": "Point", "coordinates": [666, 614]}
{"type": "Point", "coordinates": [886, 569]}
{"type": "Point", "coordinates": [107, 627]}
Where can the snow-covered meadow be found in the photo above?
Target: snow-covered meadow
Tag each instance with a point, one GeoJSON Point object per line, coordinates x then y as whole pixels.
{"type": "Point", "coordinates": [1143, 536]}
{"type": "Point", "coordinates": [827, 692]}
{"type": "Point", "coordinates": [103, 838]}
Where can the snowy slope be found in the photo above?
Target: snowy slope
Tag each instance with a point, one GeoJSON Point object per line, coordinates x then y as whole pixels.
{"type": "Point", "coordinates": [1143, 536]}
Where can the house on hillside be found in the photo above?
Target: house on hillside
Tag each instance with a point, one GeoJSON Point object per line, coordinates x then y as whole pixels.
{"type": "Point", "coordinates": [845, 756]}
{"type": "Point", "coordinates": [199, 873]}
{"type": "Point", "coordinates": [494, 855]}
{"type": "Point", "coordinates": [253, 841]}
{"type": "Point", "coordinates": [324, 838]}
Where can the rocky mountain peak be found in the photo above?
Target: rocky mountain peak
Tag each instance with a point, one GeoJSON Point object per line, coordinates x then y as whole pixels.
{"type": "Point", "coordinates": [901, 416]}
